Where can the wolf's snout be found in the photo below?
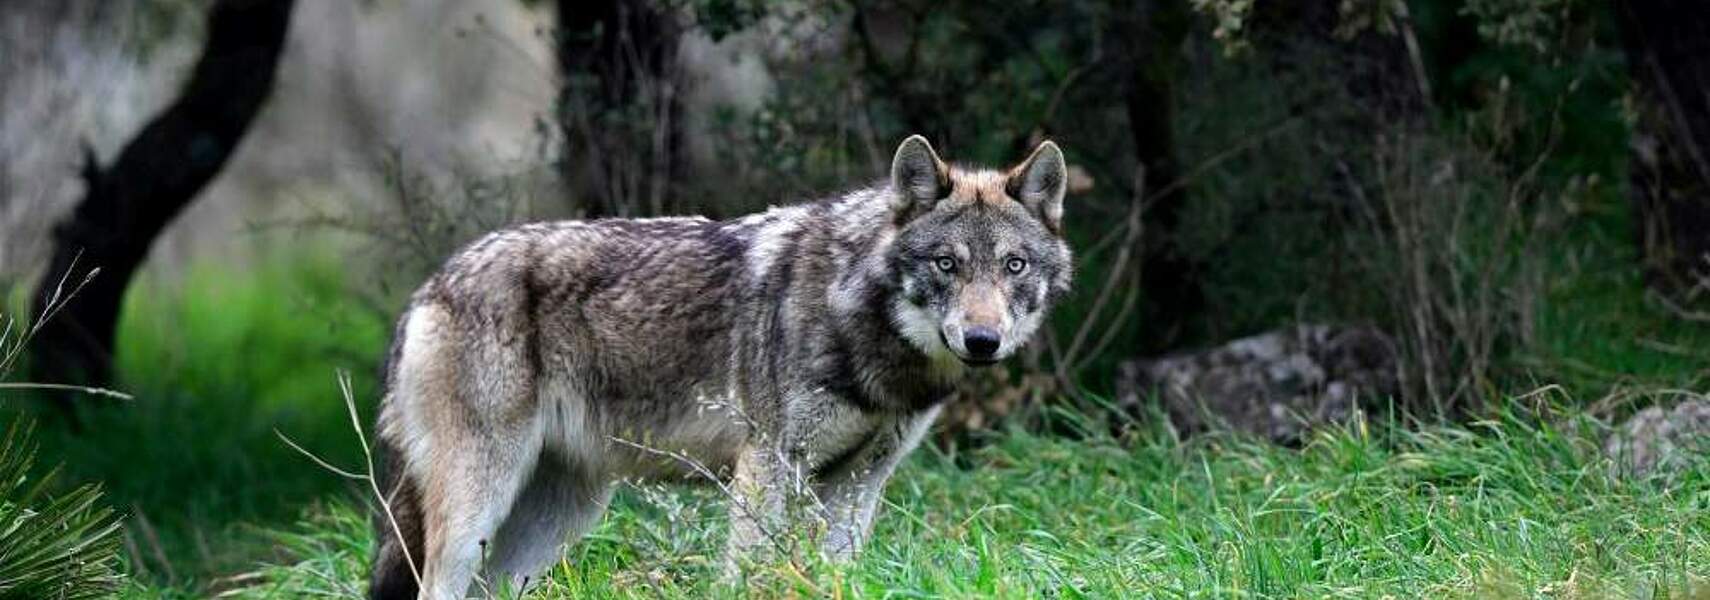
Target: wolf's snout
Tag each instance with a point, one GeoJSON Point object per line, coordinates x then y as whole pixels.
{"type": "Point", "coordinates": [982, 342]}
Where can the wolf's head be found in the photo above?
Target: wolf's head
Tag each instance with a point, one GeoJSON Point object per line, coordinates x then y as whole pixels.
{"type": "Point", "coordinates": [979, 254]}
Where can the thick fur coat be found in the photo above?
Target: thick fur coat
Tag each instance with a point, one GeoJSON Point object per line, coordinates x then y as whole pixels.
{"type": "Point", "coordinates": [804, 348]}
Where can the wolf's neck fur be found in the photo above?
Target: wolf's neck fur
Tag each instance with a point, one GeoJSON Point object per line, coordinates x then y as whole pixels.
{"type": "Point", "coordinates": [839, 252]}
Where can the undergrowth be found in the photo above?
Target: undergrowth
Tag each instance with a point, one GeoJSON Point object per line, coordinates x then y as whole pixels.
{"type": "Point", "coordinates": [1515, 507]}
{"type": "Point", "coordinates": [218, 363]}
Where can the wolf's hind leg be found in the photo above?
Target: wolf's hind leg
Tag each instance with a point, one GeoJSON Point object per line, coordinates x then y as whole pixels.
{"type": "Point", "coordinates": [465, 501]}
{"type": "Point", "coordinates": [559, 504]}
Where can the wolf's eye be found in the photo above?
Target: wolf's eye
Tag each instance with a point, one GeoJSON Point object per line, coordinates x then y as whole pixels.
{"type": "Point", "coordinates": [1015, 265]}
{"type": "Point", "coordinates": [945, 263]}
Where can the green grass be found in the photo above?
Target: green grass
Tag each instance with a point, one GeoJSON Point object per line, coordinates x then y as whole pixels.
{"type": "Point", "coordinates": [1597, 331]}
{"type": "Point", "coordinates": [217, 364]}
{"type": "Point", "coordinates": [1500, 509]}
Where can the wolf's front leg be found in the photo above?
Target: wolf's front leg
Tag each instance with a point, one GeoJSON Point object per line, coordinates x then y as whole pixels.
{"type": "Point", "coordinates": [851, 495]}
{"type": "Point", "coordinates": [758, 504]}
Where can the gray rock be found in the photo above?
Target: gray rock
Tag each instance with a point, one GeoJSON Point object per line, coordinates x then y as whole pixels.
{"type": "Point", "coordinates": [1277, 385]}
{"type": "Point", "coordinates": [1660, 441]}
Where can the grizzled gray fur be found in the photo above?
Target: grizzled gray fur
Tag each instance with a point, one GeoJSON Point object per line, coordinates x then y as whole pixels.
{"type": "Point", "coordinates": [806, 346]}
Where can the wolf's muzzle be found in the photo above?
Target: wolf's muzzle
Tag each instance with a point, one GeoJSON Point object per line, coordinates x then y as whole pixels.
{"type": "Point", "coordinates": [982, 342]}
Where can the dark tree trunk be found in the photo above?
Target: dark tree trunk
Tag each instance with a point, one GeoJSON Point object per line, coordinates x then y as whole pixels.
{"type": "Point", "coordinates": [619, 110]}
{"type": "Point", "coordinates": [156, 175]}
{"type": "Point", "coordinates": [1668, 58]}
{"type": "Point", "coordinates": [1151, 35]}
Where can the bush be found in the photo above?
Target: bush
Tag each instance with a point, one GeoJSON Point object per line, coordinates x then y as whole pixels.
{"type": "Point", "coordinates": [51, 545]}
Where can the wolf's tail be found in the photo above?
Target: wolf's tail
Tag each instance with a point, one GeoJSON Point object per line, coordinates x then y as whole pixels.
{"type": "Point", "coordinates": [397, 531]}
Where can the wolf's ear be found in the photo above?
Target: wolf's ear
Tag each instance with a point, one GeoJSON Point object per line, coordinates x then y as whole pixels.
{"type": "Point", "coordinates": [917, 175]}
{"type": "Point", "coordinates": [1040, 182]}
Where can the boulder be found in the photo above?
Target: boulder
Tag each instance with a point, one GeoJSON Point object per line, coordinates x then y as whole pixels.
{"type": "Point", "coordinates": [1277, 385]}
{"type": "Point", "coordinates": [1660, 440]}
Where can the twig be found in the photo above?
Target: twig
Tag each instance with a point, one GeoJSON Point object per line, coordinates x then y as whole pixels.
{"type": "Point", "coordinates": [131, 551]}
{"type": "Point", "coordinates": [1415, 59]}
{"type": "Point", "coordinates": [1129, 301]}
{"type": "Point", "coordinates": [368, 460]}
{"type": "Point", "coordinates": [368, 476]}
{"type": "Point", "coordinates": [1118, 272]}
{"type": "Point", "coordinates": [1677, 112]}
{"type": "Point", "coordinates": [55, 302]}
{"type": "Point", "coordinates": [1676, 310]}
{"type": "Point", "coordinates": [1208, 164]}
{"type": "Point", "coordinates": [1063, 90]}
{"type": "Point", "coordinates": [802, 577]}
{"type": "Point", "coordinates": [153, 542]}
{"type": "Point", "coordinates": [1667, 348]}
{"type": "Point", "coordinates": [318, 460]}
{"type": "Point", "coordinates": [93, 391]}
{"type": "Point", "coordinates": [701, 469]}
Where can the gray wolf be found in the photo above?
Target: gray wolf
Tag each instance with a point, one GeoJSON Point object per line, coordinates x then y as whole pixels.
{"type": "Point", "coordinates": [805, 347]}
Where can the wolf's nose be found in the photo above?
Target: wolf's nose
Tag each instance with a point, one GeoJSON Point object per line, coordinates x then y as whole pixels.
{"type": "Point", "coordinates": [982, 342]}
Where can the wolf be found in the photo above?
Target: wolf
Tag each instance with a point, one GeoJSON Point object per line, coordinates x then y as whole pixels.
{"type": "Point", "coordinates": [806, 347]}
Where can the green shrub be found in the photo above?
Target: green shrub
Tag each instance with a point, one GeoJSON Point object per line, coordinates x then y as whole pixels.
{"type": "Point", "coordinates": [52, 545]}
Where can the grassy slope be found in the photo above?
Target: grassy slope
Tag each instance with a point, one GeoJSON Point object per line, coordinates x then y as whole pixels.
{"type": "Point", "coordinates": [1500, 509]}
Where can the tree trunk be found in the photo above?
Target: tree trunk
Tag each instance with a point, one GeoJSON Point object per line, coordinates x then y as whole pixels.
{"type": "Point", "coordinates": [1668, 58]}
{"type": "Point", "coordinates": [1151, 36]}
{"type": "Point", "coordinates": [155, 176]}
{"type": "Point", "coordinates": [619, 110]}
